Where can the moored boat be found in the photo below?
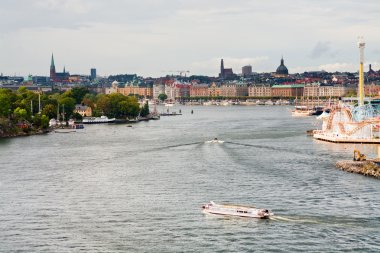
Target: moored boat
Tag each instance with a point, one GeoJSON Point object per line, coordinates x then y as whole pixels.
{"type": "Point", "coordinates": [301, 111]}
{"type": "Point", "coordinates": [236, 210]}
{"type": "Point", "coordinates": [97, 120]}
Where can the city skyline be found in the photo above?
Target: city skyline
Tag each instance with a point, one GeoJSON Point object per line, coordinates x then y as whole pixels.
{"type": "Point", "coordinates": [153, 38]}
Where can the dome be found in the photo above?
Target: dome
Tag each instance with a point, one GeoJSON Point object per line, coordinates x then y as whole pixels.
{"type": "Point", "coordinates": [282, 69]}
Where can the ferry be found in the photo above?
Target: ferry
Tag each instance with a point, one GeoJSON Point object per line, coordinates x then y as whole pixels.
{"type": "Point", "coordinates": [97, 120]}
{"type": "Point", "coordinates": [236, 210]}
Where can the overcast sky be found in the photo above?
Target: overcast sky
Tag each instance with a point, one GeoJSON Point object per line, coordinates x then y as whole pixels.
{"type": "Point", "coordinates": [154, 37]}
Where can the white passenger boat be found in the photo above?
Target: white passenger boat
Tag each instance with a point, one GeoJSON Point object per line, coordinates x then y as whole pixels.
{"type": "Point", "coordinates": [97, 120]}
{"type": "Point", "coordinates": [236, 210]}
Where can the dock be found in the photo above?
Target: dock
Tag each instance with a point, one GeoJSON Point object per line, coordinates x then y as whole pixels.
{"type": "Point", "coordinates": [343, 139]}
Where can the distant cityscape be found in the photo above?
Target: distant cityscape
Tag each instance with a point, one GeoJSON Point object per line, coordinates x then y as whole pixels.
{"type": "Point", "coordinates": [180, 85]}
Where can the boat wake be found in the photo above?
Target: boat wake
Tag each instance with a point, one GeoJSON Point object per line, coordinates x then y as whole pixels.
{"type": "Point", "coordinates": [281, 218]}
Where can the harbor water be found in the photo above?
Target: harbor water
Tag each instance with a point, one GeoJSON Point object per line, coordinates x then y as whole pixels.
{"type": "Point", "coordinates": [113, 188]}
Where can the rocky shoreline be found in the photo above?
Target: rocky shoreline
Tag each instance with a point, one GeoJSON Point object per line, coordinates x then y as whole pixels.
{"type": "Point", "coordinates": [366, 168]}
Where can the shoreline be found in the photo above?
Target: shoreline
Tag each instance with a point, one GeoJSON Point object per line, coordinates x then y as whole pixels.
{"type": "Point", "coordinates": [365, 168]}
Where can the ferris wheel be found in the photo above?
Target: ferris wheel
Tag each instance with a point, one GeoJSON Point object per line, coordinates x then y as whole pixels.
{"type": "Point", "coordinates": [360, 113]}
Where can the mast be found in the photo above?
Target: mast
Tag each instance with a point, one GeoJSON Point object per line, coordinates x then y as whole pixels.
{"type": "Point", "coordinates": [63, 112]}
{"type": "Point", "coordinates": [39, 103]}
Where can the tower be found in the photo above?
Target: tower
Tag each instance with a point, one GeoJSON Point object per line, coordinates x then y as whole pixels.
{"type": "Point", "coordinates": [222, 75]}
{"type": "Point", "coordinates": [93, 74]}
{"type": "Point", "coordinates": [361, 45]}
{"type": "Point", "coordinates": [52, 68]}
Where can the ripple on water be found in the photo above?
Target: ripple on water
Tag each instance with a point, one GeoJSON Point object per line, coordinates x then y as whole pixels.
{"type": "Point", "coordinates": [111, 189]}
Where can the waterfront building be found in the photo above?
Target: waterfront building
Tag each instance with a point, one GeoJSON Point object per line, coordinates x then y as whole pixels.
{"type": "Point", "coordinates": [246, 71]}
{"type": "Point", "coordinates": [83, 110]}
{"type": "Point", "coordinates": [260, 90]}
{"type": "Point", "coordinates": [318, 90]}
{"type": "Point", "coordinates": [288, 90]}
{"type": "Point", "coordinates": [214, 90]}
{"type": "Point", "coordinates": [158, 88]}
{"type": "Point", "coordinates": [181, 90]}
{"type": "Point", "coordinates": [113, 89]}
{"type": "Point", "coordinates": [372, 90]}
{"type": "Point", "coordinates": [234, 89]}
{"type": "Point", "coordinates": [136, 87]}
{"type": "Point", "coordinates": [199, 90]}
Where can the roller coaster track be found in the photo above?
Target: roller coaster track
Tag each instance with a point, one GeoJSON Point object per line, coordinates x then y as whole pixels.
{"type": "Point", "coordinates": [332, 115]}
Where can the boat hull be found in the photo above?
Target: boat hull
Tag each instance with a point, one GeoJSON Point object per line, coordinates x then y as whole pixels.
{"type": "Point", "coordinates": [235, 210]}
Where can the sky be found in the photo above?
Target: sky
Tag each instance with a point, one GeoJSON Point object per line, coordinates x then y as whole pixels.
{"type": "Point", "coordinates": [155, 38]}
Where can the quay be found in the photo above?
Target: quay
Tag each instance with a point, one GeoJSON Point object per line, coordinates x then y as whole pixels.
{"type": "Point", "coordinates": [343, 139]}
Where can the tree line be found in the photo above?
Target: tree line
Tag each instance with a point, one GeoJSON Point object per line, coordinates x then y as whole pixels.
{"type": "Point", "coordinates": [25, 106]}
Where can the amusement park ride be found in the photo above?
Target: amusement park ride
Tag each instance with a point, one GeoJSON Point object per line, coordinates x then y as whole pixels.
{"type": "Point", "coordinates": [353, 124]}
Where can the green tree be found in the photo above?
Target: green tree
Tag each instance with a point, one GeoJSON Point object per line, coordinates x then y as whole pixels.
{"type": "Point", "coordinates": [102, 104]}
{"type": "Point", "coordinates": [144, 110]}
{"type": "Point", "coordinates": [162, 97]}
{"type": "Point", "coordinates": [5, 104]}
{"type": "Point", "coordinates": [50, 111]}
{"type": "Point", "coordinates": [78, 93]}
{"type": "Point", "coordinates": [77, 116]}
{"type": "Point", "coordinates": [68, 105]}
{"type": "Point", "coordinates": [21, 114]}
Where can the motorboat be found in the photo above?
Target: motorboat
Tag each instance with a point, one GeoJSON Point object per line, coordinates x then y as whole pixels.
{"type": "Point", "coordinates": [236, 210]}
{"type": "Point", "coordinates": [215, 140]}
{"type": "Point", "coordinates": [97, 120]}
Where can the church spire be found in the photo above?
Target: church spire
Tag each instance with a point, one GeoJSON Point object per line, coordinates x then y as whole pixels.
{"type": "Point", "coordinates": [52, 61]}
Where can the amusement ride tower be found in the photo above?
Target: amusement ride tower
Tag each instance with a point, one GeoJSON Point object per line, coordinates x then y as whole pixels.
{"type": "Point", "coordinates": [361, 45]}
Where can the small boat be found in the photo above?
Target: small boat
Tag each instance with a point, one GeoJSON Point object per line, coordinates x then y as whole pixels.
{"type": "Point", "coordinates": [215, 140]}
{"type": "Point", "coordinates": [236, 210]}
{"type": "Point", "coordinates": [97, 120]}
{"type": "Point", "coordinates": [64, 130]}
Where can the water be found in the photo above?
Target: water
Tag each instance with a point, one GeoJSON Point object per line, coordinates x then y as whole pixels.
{"type": "Point", "coordinates": [113, 188]}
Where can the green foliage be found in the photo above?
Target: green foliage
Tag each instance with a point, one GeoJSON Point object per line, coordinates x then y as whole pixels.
{"type": "Point", "coordinates": [20, 113]}
{"type": "Point", "coordinates": [78, 93]}
{"type": "Point", "coordinates": [50, 111]}
{"type": "Point", "coordinates": [351, 93]}
{"type": "Point", "coordinates": [5, 103]}
{"type": "Point", "coordinates": [116, 105]}
{"type": "Point", "coordinates": [77, 116]}
{"type": "Point", "coordinates": [162, 97]}
{"type": "Point", "coordinates": [67, 105]}
{"type": "Point", "coordinates": [144, 110]}
{"type": "Point", "coordinates": [40, 121]}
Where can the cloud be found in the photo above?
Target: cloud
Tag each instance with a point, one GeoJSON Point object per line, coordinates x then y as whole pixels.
{"type": "Point", "coordinates": [323, 48]}
{"type": "Point", "coordinates": [335, 67]}
{"type": "Point", "coordinates": [75, 6]}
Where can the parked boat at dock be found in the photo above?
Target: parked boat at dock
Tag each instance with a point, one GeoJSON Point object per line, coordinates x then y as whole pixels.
{"type": "Point", "coordinates": [97, 120]}
{"type": "Point", "coordinates": [236, 210]}
{"type": "Point", "coordinates": [301, 111]}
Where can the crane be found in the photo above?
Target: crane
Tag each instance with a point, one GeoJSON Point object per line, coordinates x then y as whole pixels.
{"type": "Point", "coordinates": [180, 72]}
